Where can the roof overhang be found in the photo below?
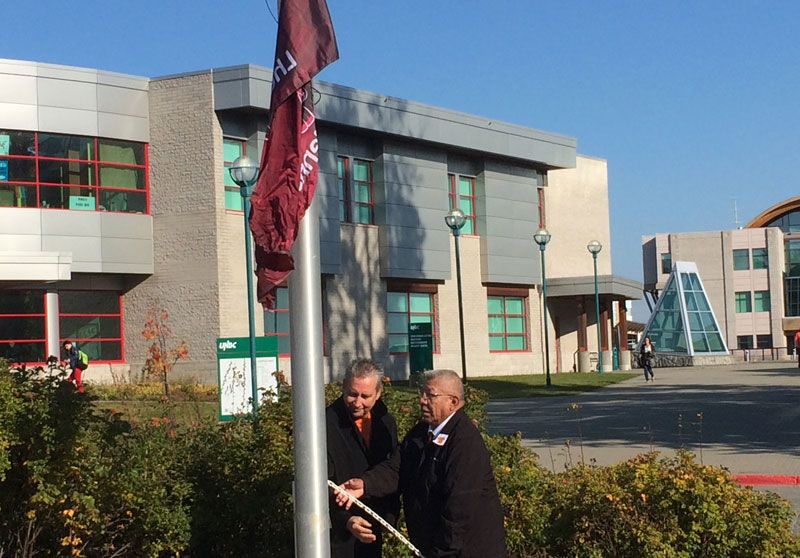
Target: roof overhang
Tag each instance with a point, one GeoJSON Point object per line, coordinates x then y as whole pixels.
{"type": "Point", "coordinates": [608, 285]}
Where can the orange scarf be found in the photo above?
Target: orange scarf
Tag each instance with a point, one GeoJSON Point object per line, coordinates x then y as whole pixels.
{"type": "Point", "coordinates": [364, 426]}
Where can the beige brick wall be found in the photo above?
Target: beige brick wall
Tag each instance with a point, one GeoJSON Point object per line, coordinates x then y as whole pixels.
{"type": "Point", "coordinates": [184, 203]}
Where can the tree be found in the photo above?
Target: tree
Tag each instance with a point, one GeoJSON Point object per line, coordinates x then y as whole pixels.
{"type": "Point", "coordinates": [161, 358]}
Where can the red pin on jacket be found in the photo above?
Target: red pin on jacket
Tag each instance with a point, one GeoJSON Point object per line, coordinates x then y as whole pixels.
{"type": "Point", "coordinates": [290, 163]}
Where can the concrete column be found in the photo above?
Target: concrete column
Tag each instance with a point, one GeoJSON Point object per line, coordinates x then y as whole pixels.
{"type": "Point", "coordinates": [608, 356]}
{"type": "Point", "coordinates": [52, 343]}
{"type": "Point", "coordinates": [624, 354]}
{"type": "Point", "coordinates": [584, 362]}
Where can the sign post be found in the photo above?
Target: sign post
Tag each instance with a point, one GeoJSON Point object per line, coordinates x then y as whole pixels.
{"type": "Point", "coordinates": [234, 377]}
{"type": "Point", "coordinates": [420, 347]}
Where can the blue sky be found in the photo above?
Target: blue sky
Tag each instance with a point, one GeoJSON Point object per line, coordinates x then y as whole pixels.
{"type": "Point", "coordinates": [693, 104]}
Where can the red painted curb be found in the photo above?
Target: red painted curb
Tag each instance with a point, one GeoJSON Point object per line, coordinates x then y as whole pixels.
{"type": "Point", "coordinates": [766, 480]}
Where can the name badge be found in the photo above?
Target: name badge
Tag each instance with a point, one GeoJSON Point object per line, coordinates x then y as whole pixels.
{"type": "Point", "coordinates": [440, 439]}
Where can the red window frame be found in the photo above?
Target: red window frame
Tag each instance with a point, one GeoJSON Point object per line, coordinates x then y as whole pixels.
{"type": "Point", "coordinates": [227, 165]}
{"type": "Point", "coordinates": [80, 340]}
{"type": "Point", "coordinates": [268, 314]}
{"type": "Point", "coordinates": [456, 197]}
{"type": "Point", "coordinates": [43, 316]}
{"type": "Point", "coordinates": [434, 313]}
{"type": "Point", "coordinates": [525, 320]}
{"type": "Point", "coordinates": [96, 163]}
{"type": "Point", "coordinates": [348, 184]}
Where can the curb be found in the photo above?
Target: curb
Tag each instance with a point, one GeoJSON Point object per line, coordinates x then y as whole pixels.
{"type": "Point", "coordinates": [767, 480]}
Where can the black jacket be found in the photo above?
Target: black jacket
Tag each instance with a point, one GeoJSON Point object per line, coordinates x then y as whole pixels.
{"type": "Point", "coordinates": [449, 493]}
{"type": "Point", "coordinates": [349, 457]}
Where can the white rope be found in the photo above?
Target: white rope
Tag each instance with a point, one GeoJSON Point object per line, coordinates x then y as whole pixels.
{"type": "Point", "coordinates": [377, 517]}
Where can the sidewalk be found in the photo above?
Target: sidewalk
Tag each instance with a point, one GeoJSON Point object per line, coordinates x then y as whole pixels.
{"type": "Point", "coordinates": [744, 417]}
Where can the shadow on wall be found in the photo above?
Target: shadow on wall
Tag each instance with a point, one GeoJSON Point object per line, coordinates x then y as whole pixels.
{"type": "Point", "coordinates": [399, 247]}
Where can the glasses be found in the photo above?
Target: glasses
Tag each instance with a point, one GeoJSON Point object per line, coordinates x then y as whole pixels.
{"type": "Point", "coordinates": [427, 396]}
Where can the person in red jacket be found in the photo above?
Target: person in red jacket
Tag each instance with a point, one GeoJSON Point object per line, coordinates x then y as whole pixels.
{"type": "Point", "coordinates": [797, 346]}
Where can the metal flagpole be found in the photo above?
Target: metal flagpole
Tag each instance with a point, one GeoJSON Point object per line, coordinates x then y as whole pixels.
{"type": "Point", "coordinates": [311, 519]}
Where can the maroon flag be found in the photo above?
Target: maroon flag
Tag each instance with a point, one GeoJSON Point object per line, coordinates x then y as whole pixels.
{"type": "Point", "coordinates": [289, 163]}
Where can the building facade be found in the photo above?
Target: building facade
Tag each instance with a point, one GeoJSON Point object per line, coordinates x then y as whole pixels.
{"type": "Point", "coordinates": [116, 201]}
{"type": "Point", "coordinates": [751, 275]}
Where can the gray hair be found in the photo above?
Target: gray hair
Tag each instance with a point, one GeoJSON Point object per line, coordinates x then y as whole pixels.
{"type": "Point", "coordinates": [450, 376]}
{"type": "Point", "coordinates": [363, 368]}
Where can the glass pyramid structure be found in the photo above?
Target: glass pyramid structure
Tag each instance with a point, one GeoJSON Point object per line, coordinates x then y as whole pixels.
{"type": "Point", "coordinates": [683, 321]}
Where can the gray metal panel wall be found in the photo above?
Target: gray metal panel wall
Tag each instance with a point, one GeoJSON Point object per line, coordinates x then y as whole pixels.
{"type": "Point", "coordinates": [507, 220]}
{"type": "Point", "coordinates": [327, 196]}
{"type": "Point", "coordinates": [69, 100]}
{"type": "Point", "coordinates": [414, 240]}
{"type": "Point", "coordinates": [249, 86]}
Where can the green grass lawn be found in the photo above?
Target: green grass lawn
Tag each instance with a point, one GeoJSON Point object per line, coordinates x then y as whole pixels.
{"type": "Point", "coordinates": [533, 385]}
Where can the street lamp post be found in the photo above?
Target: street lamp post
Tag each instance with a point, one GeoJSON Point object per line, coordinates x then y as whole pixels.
{"type": "Point", "coordinates": [542, 237]}
{"type": "Point", "coordinates": [594, 247]}
{"type": "Point", "coordinates": [244, 172]}
{"type": "Point", "coordinates": [455, 219]}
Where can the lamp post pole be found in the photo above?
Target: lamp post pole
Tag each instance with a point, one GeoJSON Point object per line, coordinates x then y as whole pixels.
{"type": "Point", "coordinates": [594, 247]}
{"type": "Point", "coordinates": [244, 172]}
{"type": "Point", "coordinates": [542, 237]}
{"type": "Point", "coordinates": [455, 219]}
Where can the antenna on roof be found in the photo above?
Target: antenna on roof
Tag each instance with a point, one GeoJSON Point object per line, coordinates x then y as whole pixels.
{"type": "Point", "coordinates": [736, 214]}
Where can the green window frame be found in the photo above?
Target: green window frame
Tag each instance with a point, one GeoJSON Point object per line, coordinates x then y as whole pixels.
{"type": "Point", "coordinates": [761, 301]}
{"type": "Point", "coordinates": [741, 259]}
{"type": "Point", "coordinates": [232, 148]}
{"type": "Point", "coordinates": [744, 302]}
{"type": "Point", "coordinates": [355, 182]}
{"type": "Point", "coordinates": [405, 307]}
{"type": "Point", "coordinates": [760, 258]}
{"type": "Point", "coordinates": [507, 323]}
{"type": "Point", "coordinates": [277, 323]}
{"type": "Point", "coordinates": [462, 196]}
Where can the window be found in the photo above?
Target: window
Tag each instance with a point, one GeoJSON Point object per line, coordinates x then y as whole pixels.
{"type": "Point", "coordinates": [276, 322]}
{"type": "Point", "coordinates": [761, 301]}
{"type": "Point", "coordinates": [741, 259]}
{"type": "Point", "coordinates": [22, 326]}
{"type": "Point", "coordinates": [39, 169]}
{"type": "Point", "coordinates": [93, 320]}
{"type": "Point", "coordinates": [542, 218]}
{"type": "Point", "coordinates": [232, 149]}
{"type": "Point", "coordinates": [743, 302]}
{"type": "Point", "coordinates": [403, 308]}
{"type": "Point", "coordinates": [462, 196]}
{"type": "Point", "coordinates": [744, 341]}
{"type": "Point", "coordinates": [666, 262]}
{"type": "Point", "coordinates": [760, 258]}
{"type": "Point", "coordinates": [507, 323]}
{"type": "Point", "coordinates": [356, 199]}
{"type": "Point", "coordinates": [764, 341]}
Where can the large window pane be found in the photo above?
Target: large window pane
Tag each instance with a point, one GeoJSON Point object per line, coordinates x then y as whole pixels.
{"type": "Point", "coordinates": [67, 172]}
{"type": "Point", "coordinates": [495, 304]}
{"type": "Point", "coordinates": [125, 202]}
{"type": "Point", "coordinates": [743, 302]}
{"type": "Point", "coordinates": [17, 195]}
{"type": "Point", "coordinates": [741, 259]}
{"type": "Point", "coordinates": [398, 343]}
{"type": "Point", "coordinates": [666, 262]}
{"type": "Point", "coordinates": [68, 197]}
{"type": "Point", "coordinates": [17, 170]}
{"type": "Point", "coordinates": [120, 177]}
{"type": "Point", "coordinates": [497, 343]}
{"type": "Point", "coordinates": [88, 302]}
{"type": "Point", "coordinates": [513, 305]}
{"type": "Point", "coordinates": [81, 327]}
{"type": "Point", "coordinates": [515, 343]}
{"type": "Point", "coordinates": [760, 258]}
{"type": "Point", "coordinates": [396, 302]}
{"type": "Point", "coordinates": [761, 301]}
{"type": "Point", "coordinates": [515, 325]}
{"type": "Point", "coordinates": [29, 351]}
{"type": "Point", "coordinates": [361, 171]}
{"type": "Point", "coordinates": [744, 341]}
{"type": "Point", "coordinates": [420, 302]}
{"type": "Point", "coordinates": [21, 302]}
{"type": "Point", "coordinates": [66, 147]}
{"type": "Point", "coordinates": [497, 324]}
{"type": "Point", "coordinates": [16, 143]}
{"type": "Point", "coordinates": [21, 327]}
{"type": "Point", "coordinates": [397, 323]}
{"type": "Point", "coordinates": [117, 151]}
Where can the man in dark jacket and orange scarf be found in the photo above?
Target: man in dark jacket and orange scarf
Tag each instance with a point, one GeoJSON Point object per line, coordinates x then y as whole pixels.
{"type": "Point", "coordinates": [443, 471]}
{"type": "Point", "coordinates": [360, 433]}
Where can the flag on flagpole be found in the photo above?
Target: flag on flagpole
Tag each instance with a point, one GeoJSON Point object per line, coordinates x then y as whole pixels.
{"type": "Point", "coordinates": [290, 161]}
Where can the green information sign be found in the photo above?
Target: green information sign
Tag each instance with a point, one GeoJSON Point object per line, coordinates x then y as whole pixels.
{"type": "Point", "coordinates": [420, 347]}
{"type": "Point", "coordinates": [233, 373]}
{"type": "Point", "coordinates": [85, 203]}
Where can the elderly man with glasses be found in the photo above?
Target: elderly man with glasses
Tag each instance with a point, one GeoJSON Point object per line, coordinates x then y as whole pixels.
{"type": "Point", "coordinates": [443, 472]}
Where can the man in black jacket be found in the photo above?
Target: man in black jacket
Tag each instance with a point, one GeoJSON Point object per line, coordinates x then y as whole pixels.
{"type": "Point", "coordinates": [443, 471]}
{"type": "Point", "coordinates": [361, 433]}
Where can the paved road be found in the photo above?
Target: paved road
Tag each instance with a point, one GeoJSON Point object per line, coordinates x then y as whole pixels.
{"type": "Point", "coordinates": [743, 417]}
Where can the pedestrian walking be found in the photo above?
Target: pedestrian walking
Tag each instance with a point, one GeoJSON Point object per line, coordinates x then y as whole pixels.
{"type": "Point", "coordinates": [647, 357]}
{"type": "Point", "coordinates": [797, 346]}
